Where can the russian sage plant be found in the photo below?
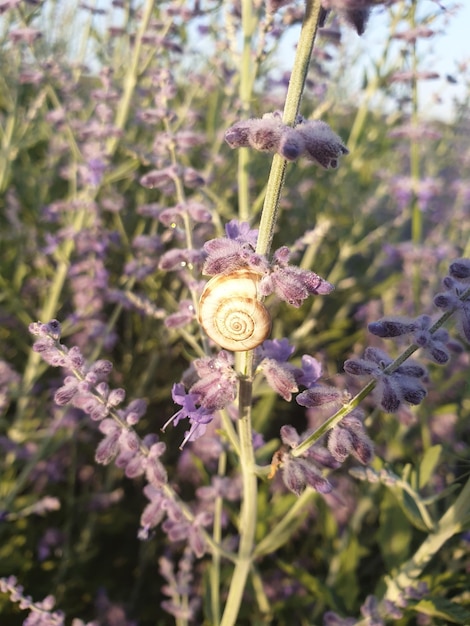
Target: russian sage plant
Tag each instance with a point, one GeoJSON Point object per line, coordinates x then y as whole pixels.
{"type": "Point", "coordinates": [294, 452]}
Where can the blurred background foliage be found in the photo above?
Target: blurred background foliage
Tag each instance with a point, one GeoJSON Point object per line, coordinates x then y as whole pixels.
{"type": "Point", "coordinates": [72, 95]}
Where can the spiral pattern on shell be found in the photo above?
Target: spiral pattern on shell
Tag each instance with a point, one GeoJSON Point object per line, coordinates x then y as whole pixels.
{"type": "Point", "coordinates": [230, 312]}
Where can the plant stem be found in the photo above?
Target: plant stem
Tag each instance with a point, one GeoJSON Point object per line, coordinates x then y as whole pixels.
{"type": "Point", "coordinates": [245, 93]}
{"type": "Point", "coordinates": [248, 514]}
{"type": "Point", "coordinates": [217, 537]}
{"type": "Point", "coordinates": [454, 520]}
{"type": "Point", "coordinates": [130, 80]}
{"type": "Point", "coordinates": [416, 213]}
{"type": "Point", "coordinates": [335, 419]}
{"type": "Point", "coordinates": [291, 110]}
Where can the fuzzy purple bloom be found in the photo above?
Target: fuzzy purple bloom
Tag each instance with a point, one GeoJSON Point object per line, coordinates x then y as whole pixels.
{"type": "Point", "coordinates": [456, 299]}
{"type": "Point", "coordinates": [401, 385]}
{"type": "Point", "coordinates": [313, 139]}
{"type": "Point", "coordinates": [198, 417]}
{"type": "Point", "coordinates": [322, 145]}
{"type": "Point", "coordinates": [319, 395]}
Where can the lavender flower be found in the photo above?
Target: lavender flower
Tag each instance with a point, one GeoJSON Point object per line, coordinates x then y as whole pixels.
{"type": "Point", "coordinates": [456, 299]}
{"type": "Point", "coordinates": [391, 389]}
{"type": "Point", "coordinates": [322, 145]}
{"type": "Point", "coordinates": [178, 587]}
{"type": "Point", "coordinates": [198, 416]}
{"type": "Point", "coordinates": [299, 472]}
{"type": "Point", "coordinates": [289, 282]}
{"type": "Point", "coordinates": [40, 613]}
{"type": "Point", "coordinates": [313, 139]}
{"type": "Point", "coordinates": [89, 391]}
{"type": "Point", "coordinates": [349, 437]}
{"type": "Point", "coordinates": [436, 345]}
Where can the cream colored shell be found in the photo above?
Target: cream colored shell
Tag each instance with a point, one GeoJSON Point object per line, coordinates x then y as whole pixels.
{"type": "Point", "coordinates": [230, 312]}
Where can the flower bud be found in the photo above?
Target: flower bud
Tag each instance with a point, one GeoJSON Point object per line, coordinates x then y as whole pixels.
{"type": "Point", "coordinates": [446, 300]}
{"type": "Point", "coordinates": [319, 395]}
{"type": "Point", "coordinates": [265, 133]}
{"type": "Point", "coordinates": [237, 136]}
{"type": "Point", "coordinates": [359, 367]}
{"type": "Point", "coordinates": [321, 143]}
{"type": "Point", "coordinates": [460, 269]}
{"type": "Point", "coordinates": [391, 327]}
{"type": "Point", "coordinates": [291, 144]}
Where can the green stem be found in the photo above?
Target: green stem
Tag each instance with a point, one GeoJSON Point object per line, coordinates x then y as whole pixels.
{"type": "Point", "coordinates": [217, 537]}
{"type": "Point", "coordinates": [132, 74]}
{"type": "Point", "coordinates": [248, 514]}
{"type": "Point", "coordinates": [335, 419]}
{"type": "Point", "coordinates": [291, 110]}
{"type": "Point", "coordinates": [245, 92]}
{"type": "Point", "coordinates": [416, 213]}
{"type": "Point", "coordinates": [48, 311]}
{"type": "Point", "coordinates": [285, 528]}
{"type": "Point", "coordinates": [454, 520]}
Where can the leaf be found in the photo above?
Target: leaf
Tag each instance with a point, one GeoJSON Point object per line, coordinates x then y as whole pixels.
{"type": "Point", "coordinates": [443, 608]}
{"type": "Point", "coordinates": [394, 533]}
{"type": "Point", "coordinates": [428, 465]}
{"type": "Point", "coordinates": [410, 509]}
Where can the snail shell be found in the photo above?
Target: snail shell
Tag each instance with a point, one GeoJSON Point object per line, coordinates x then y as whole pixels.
{"type": "Point", "coordinates": [230, 312]}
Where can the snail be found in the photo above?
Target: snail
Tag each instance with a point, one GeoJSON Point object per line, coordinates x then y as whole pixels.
{"type": "Point", "coordinates": [230, 312]}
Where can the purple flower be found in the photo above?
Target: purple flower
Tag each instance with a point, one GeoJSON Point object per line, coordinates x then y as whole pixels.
{"type": "Point", "coordinates": [278, 349]}
{"type": "Point", "coordinates": [154, 512]}
{"type": "Point", "coordinates": [279, 376]}
{"type": "Point", "coordinates": [217, 384]}
{"type": "Point", "coordinates": [460, 269]}
{"type": "Point", "coordinates": [242, 232]}
{"type": "Point", "coordinates": [349, 437]}
{"type": "Point", "coordinates": [177, 587]}
{"type": "Point", "coordinates": [309, 372]}
{"type": "Point", "coordinates": [312, 139]}
{"type": "Point", "coordinates": [401, 385]}
{"type": "Point", "coordinates": [229, 254]}
{"type": "Point", "coordinates": [436, 345]}
{"type": "Point", "coordinates": [40, 613]}
{"type": "Point", "coordinates": [198, 416]}
{"type": "Point", "coordinates": [319, 395]}
{"type": "Point", "coordinates": [332, 619]}
{"type": "Point", "coordinates": [456, 299]}
{"type": "Point", "coordinates": [290, 283]}
{"type": "Point", "coordinates": [183, 316]}
{"type": "Point", "coordinates": [322, 145]}
{"type": "Point", "coordinates": [299, 472]}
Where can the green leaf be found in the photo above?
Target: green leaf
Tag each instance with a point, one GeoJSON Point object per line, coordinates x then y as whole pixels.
{"type": "Point", "coordinates": [394, 533]}
{"type": "Point", "coordinates": [445, 609]}
{"type": "Point", "coordinates": [428, 465]}
{"type": "Point", "coordinates": [410, 509]}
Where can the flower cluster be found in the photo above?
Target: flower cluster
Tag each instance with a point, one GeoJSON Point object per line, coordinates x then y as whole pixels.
{"type": "Point", "coordinates": [380, 612]}
{"type": "Point", "coordinates": [456, 298]}
{"type": "Point", "coordinates": [40, 613]}
{"type": "Point", "coordinates": [354, 12]}
{"type": "Point", "coordinates": [347, 438]}
{"type": "Point", "coordinates": [436, 344]}
{"type": "Point", "coordinates": [212, 386]}
{"type": "Point", "coordinates": [402, 384]}
{"type": "Point", "coordinates": [177, 581]}
{"type": "Point", "coordinates": [87, 389]}
{"type": "Point", "coordinates": [237, 250]}
{"type": "Point", "coordinates": [312, 139]}
{"type": "Point", "coordinates": [300, 472]}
